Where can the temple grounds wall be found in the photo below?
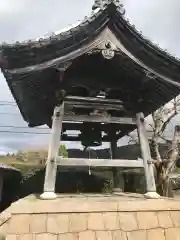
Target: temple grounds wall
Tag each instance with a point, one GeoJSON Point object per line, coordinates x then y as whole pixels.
{"type": "Point", "coordinates": [92, 218]}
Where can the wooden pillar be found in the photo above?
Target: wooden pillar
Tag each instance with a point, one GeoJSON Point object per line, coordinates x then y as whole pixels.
{"type": "Point", "coordinates": [51, 165]}
{"type": "Point", "coordinates": [118, 179]}
{"type": "Point", "coordinates": [146, 155]}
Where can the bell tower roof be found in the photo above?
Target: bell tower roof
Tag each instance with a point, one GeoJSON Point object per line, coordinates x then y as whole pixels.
{"type": "Point", "coordinates": [101, 4]}
{"type": "Point", "coordinates": [102, 53]}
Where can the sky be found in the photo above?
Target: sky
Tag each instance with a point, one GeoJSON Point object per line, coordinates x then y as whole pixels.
{"type": "Point", "coordinates": [28, 19]}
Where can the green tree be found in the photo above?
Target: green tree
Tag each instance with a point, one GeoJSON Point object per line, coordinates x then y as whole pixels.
{"type": "Point", "coordinates": [63, 151]}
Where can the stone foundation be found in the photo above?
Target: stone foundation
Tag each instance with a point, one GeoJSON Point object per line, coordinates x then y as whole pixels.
{"type": "Point", "coordinates": [92, 218]}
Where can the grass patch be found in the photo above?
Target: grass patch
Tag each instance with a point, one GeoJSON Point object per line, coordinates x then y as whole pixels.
{"type": "Point", "coordinates": [27, 169]}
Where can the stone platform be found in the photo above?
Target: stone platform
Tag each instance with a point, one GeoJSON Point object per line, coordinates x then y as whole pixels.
{"type": "Point", "coordinates": [92, 217]}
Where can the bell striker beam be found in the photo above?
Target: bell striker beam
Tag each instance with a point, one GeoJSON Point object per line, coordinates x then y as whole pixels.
{"type": "Point", "coordinates": [146, 155]}
{"type": "Point", "coordinates": [51, 165]}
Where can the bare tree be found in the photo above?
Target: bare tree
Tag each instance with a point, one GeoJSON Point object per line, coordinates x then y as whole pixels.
{"type": "Point", "coordinates": [164, 162]}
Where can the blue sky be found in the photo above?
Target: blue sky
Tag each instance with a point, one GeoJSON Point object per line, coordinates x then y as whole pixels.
{"type": "Point", "coordinates": [24, 19]}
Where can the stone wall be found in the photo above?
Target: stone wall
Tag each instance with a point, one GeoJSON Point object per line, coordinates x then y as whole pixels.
{"type": "Point", "coordinates": [92, 218]}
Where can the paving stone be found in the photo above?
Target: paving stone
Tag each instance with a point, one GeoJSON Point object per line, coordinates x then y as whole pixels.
{"type": "Point", "coordinates": [95, 221]}
{"type": "Point", "coordinates": [19, 224]}
{"type": "Point", "coordinates": [12, 237]}
{"type": "Point", "coordinates": [68, 236]}
{"type": "Point", "coordinates": [58, 223]}
{"type": "Point", "coordinates": [156, 234]}
{"type": "Point", "coordinates": [78, 222]}
{"type": "Point", "coordinates": [164, 220]}
{"type": "Point", "coordinates": [119, 235]}
{"type": "Point", "coordinates": [46, 236]}
{"type": "Point", "coordinates": [175, 216]}
{"type": "Point", "coordinates": [147, 220]}
{"type": "Point", "coordinates": [111, 221]}
{"type": "Point", "coordinates": [104, 235]}
{"type": "Point", "coordinates": [26, 237]}
{"type": "Point", "coordinates": [137, 235]}
{"type": "Point", "coordinates": [38, 223]}
{"type": "Point", "coordinates": [87, 235]}
{"type": "Point", "coordinates": [172, 234]}
{"type": "Point", "coordinates": [128, 221]}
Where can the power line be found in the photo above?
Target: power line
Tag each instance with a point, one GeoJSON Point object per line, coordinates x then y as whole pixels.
{"type": "Point", "coordinates": [32, 133]}
{"type": "Point", "coordinates": [4, 101]}
{"type": "Point", "coordinates": [13, 104]}
{"type": "Point", "coordinates": [21, 127]}
{"type": "Point", "coordinates": [8, 104]}
{"type": "Point", "coordinates": [14, 114]}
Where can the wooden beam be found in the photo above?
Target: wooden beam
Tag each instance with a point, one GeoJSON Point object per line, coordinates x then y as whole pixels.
{"type": "Point", "coordinates": [93, 103]}
{"type": "Point", "coordinates": [92, 100]}
{"type": "Point", "coordinates": [99, 106]}
{"type": "Point", "coordinates": [78, 138]}
{"type": "Point", "coordinates": [51, 166]}
{"type": "Point", "coordinates": [146, 155]}
{"type": "Point", "coordinates": [83, 162]}
{"type": "Point", "coordinates": [103, 127]}
{"type": "Point", "coordinates": [99, 119]}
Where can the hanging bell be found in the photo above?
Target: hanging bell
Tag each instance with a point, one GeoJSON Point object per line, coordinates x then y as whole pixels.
{"type": "Point", "coordinates": [91, 136]}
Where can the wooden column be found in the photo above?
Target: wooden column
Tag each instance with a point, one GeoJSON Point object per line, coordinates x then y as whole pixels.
{"type": "Point", "coordinates": [118, 179]}
{"type": "Point", "coordinates": [146, 155]}
{"type": "Point", "coordinates": [51, 165]}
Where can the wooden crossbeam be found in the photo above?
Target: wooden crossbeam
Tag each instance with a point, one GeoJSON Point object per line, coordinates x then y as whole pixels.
{"type": "Point", "coordinates": [102, 127]}
{"type": "Point", "coordinates": [99, 119]}
{"type": "Point", "coordinates": [78, 138]}
{"type": "Point", "coordinates": [93, 103]}
{"type": "Point", "coordinates": [83, 162]}
{"type": "Point", "coordinates": [92, 100]}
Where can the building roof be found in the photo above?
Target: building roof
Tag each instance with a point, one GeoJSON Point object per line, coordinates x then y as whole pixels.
{"type": "Point", "coordinates": [145, 75]}
{"type": "Point", "coordinates": [30, 53]}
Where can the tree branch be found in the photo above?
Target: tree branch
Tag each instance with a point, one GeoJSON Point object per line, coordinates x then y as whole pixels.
{"type": "Point", "coordinates": [173, 151]}
{"type": "Point", "coordinates": [167, 121]}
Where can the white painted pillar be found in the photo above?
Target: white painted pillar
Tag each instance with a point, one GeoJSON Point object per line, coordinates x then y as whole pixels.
{"type": "Point", "coordinates": [1, 186]}
{"type": "Point", "coordinates": [51, 165]}
{"type": "Point", "coordinates": [146, 155]}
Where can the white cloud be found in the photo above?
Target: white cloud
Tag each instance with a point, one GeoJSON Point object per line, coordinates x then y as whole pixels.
{"type": "Point", "coordinates": [11, 6]}
{"type": "Point", "coordinates": [31, 19]}
{"type": "Point", "coordinates": [158, 20]}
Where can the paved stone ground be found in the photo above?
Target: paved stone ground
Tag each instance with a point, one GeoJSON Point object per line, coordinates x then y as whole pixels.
{"type": "Point", "coordinates": [90, 217]}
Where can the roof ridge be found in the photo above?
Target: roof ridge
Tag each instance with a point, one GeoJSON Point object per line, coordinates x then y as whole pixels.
{"type": "Point", "coordinates": [104, 3]}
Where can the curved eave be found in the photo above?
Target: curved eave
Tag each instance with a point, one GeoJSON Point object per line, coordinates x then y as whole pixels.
{"type": "Point", "coordinates": [144, 50]}
{"type": "Point", "coordinates": [27, 54]}
{"type": "Point", "coordinates": [22, 55]}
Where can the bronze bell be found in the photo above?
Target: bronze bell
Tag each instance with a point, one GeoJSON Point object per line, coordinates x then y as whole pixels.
{"type": "Point", "coordinates": [91, 135]}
